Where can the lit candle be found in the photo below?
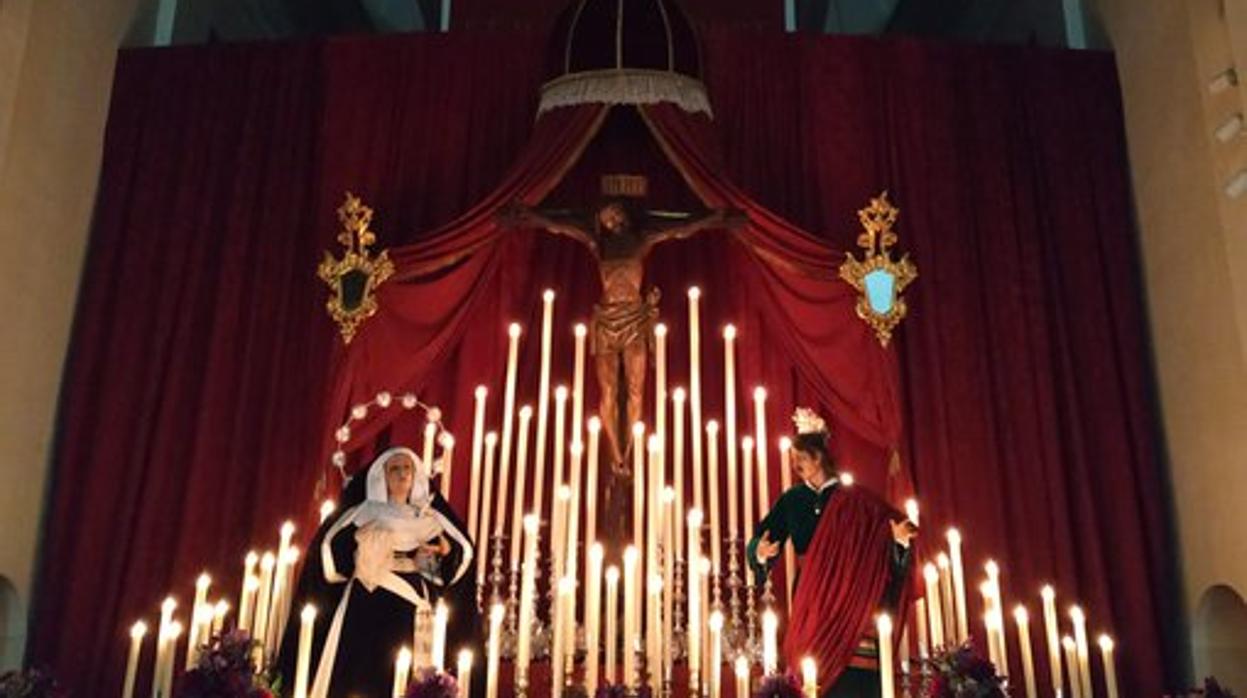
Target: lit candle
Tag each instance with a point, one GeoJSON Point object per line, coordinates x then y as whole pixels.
{"type": "Point", "coordinates": [694, 386]}
{"type": "Point", "coordinates": [887, 676]}
{"type": "Point", "coordinates": [441, 616]}
{"type": "Point", "coordinates": [303, 661]}
{"type": "Point", "coordinates": [759, 440]}
{"type": "Point", "coordinates": [660, 382]}
{"type": "Point", "coordinates": [612, 619]}
{"type": "Point", "coordinates": [790, 554]}
{"type": "Point", "coordinates": [729, 410]}
{"type": "Point", "coordinates": [166, 673]}
{"type": "Point", "coordinates": [263, 599]}
{"type": "Point", "coordinates": [934, 607]}
{"type": "Point", "coordinates": [714, 672]}
{"type": "Point", "coordinates": [593, 617]}
{"type": "Point", "coordinates": [1071, 660]}
{"type": "Point", "coordinates": [202, 583]}
{"type": "Point", "coordinates": [1053, 635]}
{"type": "Point", "coordinates": [809, 674]}
{"type": "Point", "coordinates": [497, 613]}
{"type": "Point", "coordinates": [1024, 642]}
{"type": "Point", "coordinates": [920, 618]}
{"type": "Point", "coordinates": [137, 632]}
{"type": "Point", "coordinates": [517, 501]}
{"type": "Point", "coordinates": [543, 399]}
{"type": "Point", "coordinates": [694, 600]}
{"type": "Point", "coordinates": [219, 612]}
{"type": "Point", "coordinates": [959, 584]}
{"type": "Point", "coordinates": [402, 673]}
{"type": "Point", "coordinates": [578, 385]}
{"type": "Point", "coordinates": [716, 537]}
{"type": "Point", "coordinates": [998, 614]}
{"type": "Point", "coordinates": [946, 597]}
{"type": "Point", "coordinates": [1079, 619]}
{"type": "Point", "coordinates": [464, 674]}
{"type": "Point", "coordinates": [654, 632]}
{"type": "Point", "coordinates": [572, 558]}
{"type": "Point", "coordinates": [742, 677]}
{"type": "Point", "coordinates": [989, 627]}
{"type": "Point", "coordinates": [770, 642]}
{"type": "Point", "coordinates": [638, 485]}
{"type": "Point", "coordinates": [327, 508]}
{"type": "Point", "coordinates": [483, 530]}
{"type": "Point", "coordinates": [163, 648]}
{"type": "Point", "coordinates": [669, 527]}
{"type": "Point", "coordinates": [631, 616]}
{"type": "Point", "coordinates": [246, 598]}
{"type": "Point", "coordinates": [508, 429]}
{"type": "Point", "coordinates": [747, 493]}
{"type": "Point", "coordinates": [558, 649]}
{"type": "Point", "coordinates": [430, 440]}
{"type": "Point", "coordinates": [528, 588]}
{"type": "Point", "coordinates": [558, 506]}
{"type": "Point", "coordinates": [447, 442]}
{"type": "Point", "coordinates": [678, 400]}
{"type": "Point", "coordinates": [591, 481]}
{"type": "Point", "coordinates": [911, 510]}
{"type": "Point", "coordinates": [1110, 667]}
{"type": "Point", "coordinates": [478, 446]}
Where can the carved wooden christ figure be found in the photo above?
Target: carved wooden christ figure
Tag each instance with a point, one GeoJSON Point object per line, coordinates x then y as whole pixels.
{"type": "Point", "coordinates": [623, 319]}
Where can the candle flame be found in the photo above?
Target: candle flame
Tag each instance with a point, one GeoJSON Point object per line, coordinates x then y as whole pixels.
{"type": "Point", "coordinates": [580, 330]}
{"type": "Point", "coordinates": [941, 560]}
{"type": "Point", "coordinates": [513, 330]}
{"type": "Point", "coordinates": [612, 574]}
{"type": "Point", "coordinates": [884, 624]}
{"type": "Point", "coordinates": [526, 412]}
{"type": "Point", "coordinates": [678, 395]}
{"type": "Point", "coordinates": [251, 559]}
{"type": "Point", "coordinates": [465, 658]}
{"type": "Point", "coordinates": [759, 394]}
{"type": "Point", "coordinates": [1021, 615]}
{"type": "Point", "coordinates": [326, 508]}
{"type": "Point", "coordinates": [565, 493]}
{"type": "Point", "coordinates": [496, 613]}
{"type": "Point", "coordinates": [694, 293]}
{"type": "Point", "coordinates": [729, 332]}
{"type": "Point", "coordinates": [785, 443]}
{"type": "Point", "coordinates": [694, 518]}
{"type": "Point", "coordinates": [1047, 592]}
{"type": "Point", "coordinates": [530, 523]}
{"type": "Point", "coordinates": [287, 530]}
{"type": "Point", "coordinates": [716, 621]}
{"type": "Point", "coordinates": [548, 295]}
{"type": "Point", "coordinates": [597, 552]}
{"type": "Point", "coordinates": [712, 427]}
{"type": "Point", "coordinates": [481, 392]}
{"type": "Point", "coordinates": [747, 443]}
{"type": "Point", "coordinates": [660, 330]}
{"type": "Point", "coordinates": [491, 438]}
{"type": "Point", "coordinates": [1106, 643]}
{"type": "Point", "coordinates": [954, 537]}
{"type": "Point", "coordinates": [630, 555]}
{"type": "Point", "coordinates": [169, 605]}
{"type": "Point", "coordinates": [638, 428]}
{"type": "Point", "coordinates": [847, 479]}
{"type": "Point", "coordinates": [742, 667]}
{"type": "Point", "coordinates": [1068, 643]}
{"type": "Point", "coordinates": [560, 393]}
{"type": "Point", "coordinates": [668, 494]}
{"type": "Point", "coordinates": [993, 570]}
{"type": "Point", "coordinates": [1076, 615]}
{"type": "Point", "coordinates": [595, 425]}
{"type": "Point", "coordinates": [930, 573]}
{"type": "Point", "coordinates": [138, 630]}
{"type": "Point", "coordinates": [203, 581]}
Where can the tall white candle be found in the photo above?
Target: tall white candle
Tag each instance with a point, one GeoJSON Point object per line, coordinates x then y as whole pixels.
{"type": "Point", "coordinates": [790, 553]}
{"type": "Point", "coordinates": [219, 612]}
{"type": "Point", "coordinates": [464, 673]}
{"type": "Point", "coordinates": [638, 486]}
{"type": "Point", "coordinates": [593, 616]}
{"type": "Point", "coordinates": [441, 616]}
{"type": "Point", "coordinates": [137, 632]}
{"type": "Point", "coordinates": [959, 584]}
{"type": "Point", "coordinates": [678, 401]}
{"type": "Point", "coordinates": [591, 480]}
{"type": "Point", "coordinates": [578, 384]}
{"type": "Point", "coordinates": [715, 670]}
{"type": "Point", "coordinates": [631, 615]}
{"type": "Point", "coordinates": [1024, 642]}
{"type": "Point", "coordinates": [571, 561]}
{"type": "Point", "coordinates": [558, 529]}
{"type": "Point", "coordinates": [729, 411]}
{"type": "Point", "coordinates": [166, 673]}
{"type": "Point", "coordinates": [611, 638]}
{"type": "Point", "coordinates": [946, 596]}
{"type": "Point", "coordinates": [660, 382]}
{"type": "Point", "coordinates": [429, 443]}
{"type": "Point", "coordinates": [246, 597]}
{"type": "Point", "coordinates": [508, 429]}
{"type": "Point", "coordinates": [1071, 660]}
{"type": "Point", "coordinates": [712, 495]}
{"type": "Point", "coordinates": [163, 647]}
{"type": "Point", "coordinates": [694, 387]}
{"type": "Point", "coordinates": [517, 501]}
{"type": "Point", "coordinates": [543, 400]}
{"type": "Point", "coordinates": [482, 533]}
{"type": "Point", "coordinates": [402, 673]}
{"type": "Point", "coordinates": [934, 608]}
{"type": "Point", "coordinates": [303, 661]}
{"type": "Point", "coordinates": [202, 583]}
{"type": "Point", "coordinates": [1110, 667]}
{"type": "Point", "coordinates": [263, 601]}
{"type": "Point", "coordinates": [558, 648]}
{"type": "Point", "coordinates": [809, 675]}
{"type": "Point", "coordinates": [654, 632]}
{"type": "Point", "coordinates": [887, 672]}
{"type": "Point", "coordinates": [558, 509]}
{"type": "Point", "coordinates": [921, 623]}
{"type": "Point", "coordinates": [742, 677]}
{"type": "Point", "coordinates": [997, 611]}
{"type": "Point", "coordinates": [747, 495]}
{"type": "Point", "coordinates": [694, 600]}
{"type": "Point", "coordinates": [1079, 620]}
{"type": "Point", "coordinates": [497, 613]}
{"type": "Point", "coordinates": [478, 446]}
{"type": "Point", "coordinates": [528, 589]}
{"type": "Point", "coordinates": [770, 642]}
{"type": "Point", "coordinates": [447, 462]}
{"type": "Point", "coordinates": [760, 444]}
{"type": "Point", "coordinates": [669, 527]}
{"type": "Point", "coordinates": [1053, 635]}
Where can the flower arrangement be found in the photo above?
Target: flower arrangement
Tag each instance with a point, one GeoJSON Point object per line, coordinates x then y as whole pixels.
{"type": "Point", "coordinates": [960, 672]}
{"type": "Point", "coordinates": [433, 684]}
{"type": "Point", "coordinates": [31, 683]}
{"type": "Point", "coordinates": [1213, 689]}
{"type": "Point", "coordinates": [225, 670]}
{"type": "Point", "coordinates": [779, 686]}
{"type": "Point", "coordinates": [612, 690]}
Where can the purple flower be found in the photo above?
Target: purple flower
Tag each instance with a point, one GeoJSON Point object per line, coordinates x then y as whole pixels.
{"type": "Point", "coordinates": [779, 686]}
{"type": "Point", "coordinates": [433, 684]}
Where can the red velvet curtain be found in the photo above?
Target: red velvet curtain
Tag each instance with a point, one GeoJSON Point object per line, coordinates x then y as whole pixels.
{"type": "Point", "coordinates": [202, 366]}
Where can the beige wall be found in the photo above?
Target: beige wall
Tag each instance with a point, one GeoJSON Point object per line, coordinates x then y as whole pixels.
{"type": "Point", "coordinates": [1195, 263]}
{"type": "Point", "coordinates": [56, 63]}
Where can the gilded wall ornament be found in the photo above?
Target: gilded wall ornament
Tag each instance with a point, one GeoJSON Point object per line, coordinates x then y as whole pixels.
{"type": "Point", "coordinates": [877, 277]}
{"type": "Point", "coordinates": [354, 279]}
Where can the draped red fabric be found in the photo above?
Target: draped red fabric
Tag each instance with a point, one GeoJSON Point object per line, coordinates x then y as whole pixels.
{"type": "Point", "coordinates": [204, 372]}
{"type": "Point", "coordinates": [843, 576]}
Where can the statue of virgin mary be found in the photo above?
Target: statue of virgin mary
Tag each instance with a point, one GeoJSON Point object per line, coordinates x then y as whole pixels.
{"type": "Point", "coordinates": [394, 548]}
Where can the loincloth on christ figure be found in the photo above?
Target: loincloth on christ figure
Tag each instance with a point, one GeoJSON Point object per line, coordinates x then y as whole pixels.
{"type": "Point", "coordinates": [620, 324]}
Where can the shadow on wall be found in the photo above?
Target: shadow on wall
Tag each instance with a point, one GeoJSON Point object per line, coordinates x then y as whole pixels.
{"type": "Point", "coordinates": [12, 628]}
{"type": "Point", "coordinates": [1219, 638]}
